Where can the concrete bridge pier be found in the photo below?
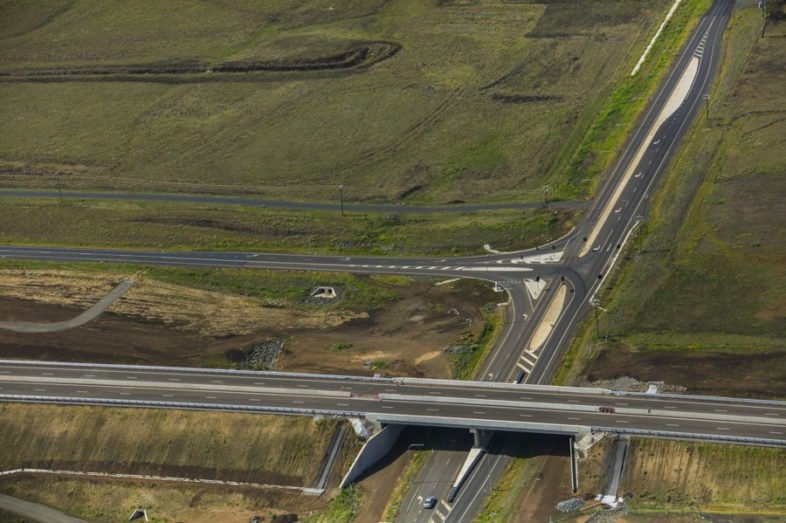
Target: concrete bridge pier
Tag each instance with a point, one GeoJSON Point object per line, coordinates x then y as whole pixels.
{"type": "Point", "coordinates": [574, 465]}
{"type": "Point", "coordinates": [482, 438]}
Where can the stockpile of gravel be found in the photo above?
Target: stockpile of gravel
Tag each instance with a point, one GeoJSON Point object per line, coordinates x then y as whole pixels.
{"type": "Point", "coordinates": [265, 354]}
{"type": "Point", "coordinates": [262, 355]}
{"type": "Point", "coordinates": [628, 384]}
{"type": "Point", "coordinates": [570, 505]}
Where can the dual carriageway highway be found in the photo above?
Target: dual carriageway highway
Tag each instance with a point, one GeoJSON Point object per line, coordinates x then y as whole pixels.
{"type": "Point", "coordinates": [444, 403]}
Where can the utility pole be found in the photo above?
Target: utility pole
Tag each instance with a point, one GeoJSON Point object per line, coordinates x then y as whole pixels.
{"type": "Point", "coordinates": [707, 108]}
{"type": "Point", "coordinates": [341, 198]}
{"type": "Point", "coordinates": [59, 187]}
{"type": "Point", "coordinates": [640, 234]}
{"type": "Point", "coordinates": [595, 306]}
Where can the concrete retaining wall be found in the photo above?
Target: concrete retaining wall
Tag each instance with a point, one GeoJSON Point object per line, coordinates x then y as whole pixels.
{"type": "Point", "coordinates": [374, 450]}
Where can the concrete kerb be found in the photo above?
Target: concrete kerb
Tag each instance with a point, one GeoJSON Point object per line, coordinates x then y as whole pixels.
{"type": "Point", "coordinates": [470, 461]}
{"type": "Point", "coordinates": [531, 249]}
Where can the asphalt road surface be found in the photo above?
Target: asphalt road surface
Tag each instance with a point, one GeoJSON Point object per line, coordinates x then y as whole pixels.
{"type": "Point", "coordinates": [34, 511]}
{"type": "Point", "coordinates": [399, 400]}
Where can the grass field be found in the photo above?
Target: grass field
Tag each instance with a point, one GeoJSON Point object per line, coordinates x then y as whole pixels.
{"type": "Point", "coordinates": [277, 450]}
{"type": "Point", "coordinates": [662, 477]}
{"type": "Point", "coordinates": [101, 501]}
{"type": "Point", "coordinates": [239, 228]}
{"type": "Point", "coordinates": [477, 104]}
{"type": "Point", "coordinates": [238, 447]}
{"type": "Point", "coordinates": [706, 294]}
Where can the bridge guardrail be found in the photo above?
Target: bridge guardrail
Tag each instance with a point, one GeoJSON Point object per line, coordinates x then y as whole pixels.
{"type": "Point", "coordinates": [521, 387]}
{"type": "Point", "coordinates": [20, 398]}
{"type": "Point", "coordinates": [751, 401]}
{"type": "Point", "coordinates": [768, 442]}
{"type": "Point", "coordinates": [193, 370]}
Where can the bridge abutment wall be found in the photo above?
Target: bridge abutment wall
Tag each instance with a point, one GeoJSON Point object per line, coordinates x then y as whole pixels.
{"type": "Point", "coordinates": [374, 450]}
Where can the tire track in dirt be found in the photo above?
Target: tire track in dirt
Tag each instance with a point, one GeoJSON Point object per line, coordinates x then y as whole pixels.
{"type": "Point", "coordinates": [362, 56]}
{"type": "Point", "coordinates": [414, 131]}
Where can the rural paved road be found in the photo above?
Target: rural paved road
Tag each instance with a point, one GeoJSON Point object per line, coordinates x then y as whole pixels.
{"type": "Point", "coordinates": [34, 511]}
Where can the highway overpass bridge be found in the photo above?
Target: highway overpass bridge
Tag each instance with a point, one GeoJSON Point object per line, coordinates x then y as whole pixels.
{"type": "Point", "coordinates": [401, 401]}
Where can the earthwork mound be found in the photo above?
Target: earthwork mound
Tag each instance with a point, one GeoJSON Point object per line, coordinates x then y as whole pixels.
{"type": "Point", "coordinates": [361, 55]}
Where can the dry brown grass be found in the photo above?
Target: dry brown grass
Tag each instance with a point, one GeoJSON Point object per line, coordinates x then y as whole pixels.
{"type": "Point", "coordinates": [101, 501]}
{"type": "Point", "coordinates": [674, 475]}
{"type": "Point", "coordinates": [240, 447]}
{"type": "Point", "coordinates": [194, 310]}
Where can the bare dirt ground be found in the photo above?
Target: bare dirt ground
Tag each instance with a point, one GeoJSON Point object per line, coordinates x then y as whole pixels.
{"type": "Point", "coordinates": [702, 372]}
{"type": "Point", "coordinates": [551, 482]}
{"type": "Point", "coordinates": [164, 324]}
{"type": "Point", "coordinates": [377, 486]}
{"type": "Point", "coordinates": [110, 500]}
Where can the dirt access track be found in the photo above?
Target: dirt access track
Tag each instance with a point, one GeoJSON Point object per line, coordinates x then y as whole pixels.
{"type": "Point", "coordinates": [159, 323]}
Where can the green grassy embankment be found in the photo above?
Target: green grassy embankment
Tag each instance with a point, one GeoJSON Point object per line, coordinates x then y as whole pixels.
{"type": "Point", "coordinates": [465, 364]}
{"type": "Point", "coordinates": [589, 155]}
{"type": "Point", "coordinates": [232, 447]}
{"type": "Point", "coordinates": [411, 127]}
{"type": "Point", "coordinates": [700, 300]}
{"type": "Point", "coordinates": [237, 228]}
{"type": "Point", "coordinates": [500, 505]}
{"type": "Point", "coordinates": [342, 508]}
